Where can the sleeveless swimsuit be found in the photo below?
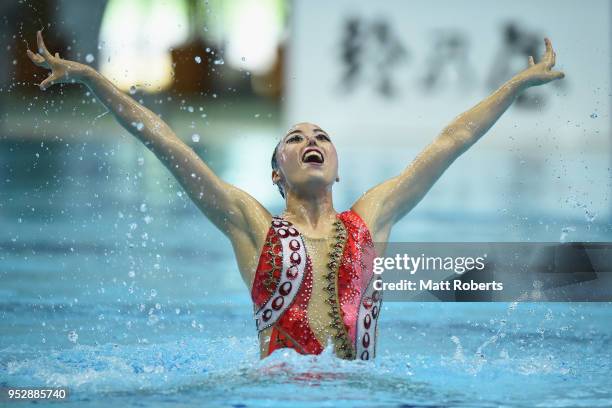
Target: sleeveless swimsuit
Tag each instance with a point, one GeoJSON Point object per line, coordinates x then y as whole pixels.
{"type": "Point", "coordinates": [283, 287]}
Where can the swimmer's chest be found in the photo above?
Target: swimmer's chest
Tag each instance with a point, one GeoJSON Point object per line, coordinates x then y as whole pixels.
{"type": "Point", "coordinates": [319, 309]}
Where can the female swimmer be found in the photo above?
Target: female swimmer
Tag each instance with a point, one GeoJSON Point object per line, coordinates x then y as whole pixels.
{"type": "Point", "coordinates": [309, 269]}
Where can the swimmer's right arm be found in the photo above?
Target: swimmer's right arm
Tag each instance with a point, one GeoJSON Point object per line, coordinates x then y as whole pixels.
{"type": "Point", "coordinates": [232, 210]}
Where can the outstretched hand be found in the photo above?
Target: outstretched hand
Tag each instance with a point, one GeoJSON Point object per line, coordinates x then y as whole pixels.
{"type": "Point", "coordinates": [542, 73]}
{"type": "Point", "coordinates": [62, 71]}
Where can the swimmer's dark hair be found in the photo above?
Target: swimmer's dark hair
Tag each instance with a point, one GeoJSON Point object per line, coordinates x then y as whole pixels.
{"type": "Point", "coordinates": [274, 165]}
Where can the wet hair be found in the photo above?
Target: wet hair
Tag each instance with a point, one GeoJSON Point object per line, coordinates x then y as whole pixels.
{"type": "Point", "coordinates": [274, 164]}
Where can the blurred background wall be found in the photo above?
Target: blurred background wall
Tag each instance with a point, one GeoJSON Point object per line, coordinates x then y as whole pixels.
{"type": "Point", "coordinates": [395, 73]}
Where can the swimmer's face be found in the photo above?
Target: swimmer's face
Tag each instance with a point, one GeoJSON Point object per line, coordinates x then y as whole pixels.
{"type": "Point", "coordinates": [307, 159]}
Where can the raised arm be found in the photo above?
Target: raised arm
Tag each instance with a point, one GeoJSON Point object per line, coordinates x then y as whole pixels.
{"type": "Point", "coordinates": [236, 213]}
{"type": "Point", "coordinates": [389, 201]}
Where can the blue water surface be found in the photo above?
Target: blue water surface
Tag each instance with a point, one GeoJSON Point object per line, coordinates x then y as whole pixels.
{"type": "Point", "coordinates": [115, 286]}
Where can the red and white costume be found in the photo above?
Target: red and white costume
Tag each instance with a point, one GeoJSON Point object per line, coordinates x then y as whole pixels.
{"type": "Point", "coordinates": [283, 286]}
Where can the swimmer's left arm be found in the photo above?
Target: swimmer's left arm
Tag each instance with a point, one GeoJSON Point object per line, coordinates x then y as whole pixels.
{"type": "Point", "coordinates": [388, 202]}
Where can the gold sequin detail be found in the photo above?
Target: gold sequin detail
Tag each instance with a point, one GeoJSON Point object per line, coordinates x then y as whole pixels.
{"type": "Point", "coordinates": [271, 281]}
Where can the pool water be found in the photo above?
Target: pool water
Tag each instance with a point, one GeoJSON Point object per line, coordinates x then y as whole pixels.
{"type": "Point", "coordinates": [115, 286]}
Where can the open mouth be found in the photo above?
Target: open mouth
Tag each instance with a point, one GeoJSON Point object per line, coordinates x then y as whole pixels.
{"type": "Point", "coordinates": [312, 155]}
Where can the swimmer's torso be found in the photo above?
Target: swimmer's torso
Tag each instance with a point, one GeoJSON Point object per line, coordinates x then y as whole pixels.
{"type": "Point", "coordinates": [318, 310]}
{"type": "Point", "coordinates": [308, 291]}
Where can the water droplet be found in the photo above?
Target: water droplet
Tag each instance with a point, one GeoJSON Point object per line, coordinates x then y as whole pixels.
{"type": "Point", "coordinates": [153, 293]}
{"type": "Point", "coordinates": [73, 336]}
{"type": "Point", "coordinates": [89, 58]}
{"type": "Point", "coordinates": [589, 215]}
{"type": "Point", "coordinates": [140, 161]}
{"type": "Point", "coordinates": [593, 115]}
{"type": "Point", "coordinates": [198, 59]}
{"type": "Point", "coordinates": [565, 231]}
{"type": "Point", "coordinates": [132, 90]}
{"type": "Point", "coordinates": [131, 274]}
{"type": "Point", "coordinates": [243, 59]}
{"type": "Point", "coordinates": [139, 126]}
{"type": "Point", "coordinates": [195, 138]}
{"type": "Point", "coordinates": [219, 61]}
{"type": "Point", "coordinates": [256, 115]}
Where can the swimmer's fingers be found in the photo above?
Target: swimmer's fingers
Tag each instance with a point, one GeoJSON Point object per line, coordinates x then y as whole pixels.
{"type": "Point", "coordinates": [530, 61]}
{"type": "Point", "coordinates": [50, 80]}
{"type": "Point", "coordinates": [548, 45]}
{"type": "Point", "coordinates": [42, 49]}
{"type": "Point", "coordinates": [38, 60]}
{"type": "Point", "coordinates": [549, 56]}
{"type": "Point", "coordinates": [557, 75]}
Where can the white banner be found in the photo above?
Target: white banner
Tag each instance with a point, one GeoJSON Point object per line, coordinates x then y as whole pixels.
{"type": "Point", "coordinates": [397, 66]}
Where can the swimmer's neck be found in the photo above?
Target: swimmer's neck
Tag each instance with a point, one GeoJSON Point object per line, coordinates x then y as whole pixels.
{"type": "Point", "coordinates": [311, 212]}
